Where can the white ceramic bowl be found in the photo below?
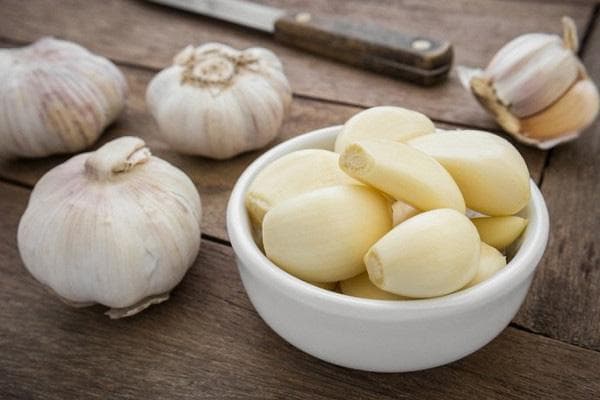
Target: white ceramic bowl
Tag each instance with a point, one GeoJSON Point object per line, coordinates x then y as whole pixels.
{"type": "Point", "coordinates": [379, 335]}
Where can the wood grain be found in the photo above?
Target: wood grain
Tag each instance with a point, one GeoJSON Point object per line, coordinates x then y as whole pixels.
{"type": "Point", "coordinates": [208, 342]}
{"type": "Point", "coordinates": [136, 32]}
{"type": "Point", "coordinates": [214, 179]}
{"type": "Point", "coordinates": [564, 301]}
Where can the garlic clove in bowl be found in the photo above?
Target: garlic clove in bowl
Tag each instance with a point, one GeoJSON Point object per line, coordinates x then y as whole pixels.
{"type": "Point", "coordinates": [217, 102]}
{"type": "Point", "coordinates": [293, 174]}
{"type": "Point", "coordinates": [431, 254]}
{"type": "Point", "coordinates": [56, 97]}
{"type": "Point", "coordinates": [322, 235]}
{"type": "Point", "coordinates": [536, 88]}
{"type": "Point", "coordinates": [116, 226]}
{"type": "Point", "coordinates": [489, 171]}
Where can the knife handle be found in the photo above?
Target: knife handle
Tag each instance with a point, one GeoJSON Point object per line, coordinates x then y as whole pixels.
{"type": "Point", "coordinates": [414, 58]}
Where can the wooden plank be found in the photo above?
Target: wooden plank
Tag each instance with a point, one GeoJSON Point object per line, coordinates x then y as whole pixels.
{"type": "Point", "coordinates": [208, 342]}
{"type": "Point", "coordinates": [137, 32]}
{"type": "Point", "coordinates": [564, 302]}
{"type": "Point", "coordinates": [214, 179]}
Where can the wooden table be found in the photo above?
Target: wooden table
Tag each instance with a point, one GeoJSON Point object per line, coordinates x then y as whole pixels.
{"type": "Point", "coordinates": [207, 340]}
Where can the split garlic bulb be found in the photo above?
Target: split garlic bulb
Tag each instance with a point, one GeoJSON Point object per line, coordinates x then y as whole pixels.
{"type": "Point", "coordinates": [217, 102]}
{"type": "Point", "coordinates": [537, 88]}
{"type": "Point", "coordinates": [55, 97]}
{"type": "Point", "coordinates": [116, 226]}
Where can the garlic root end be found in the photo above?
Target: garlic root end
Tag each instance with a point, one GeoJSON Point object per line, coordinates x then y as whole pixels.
{"type": "Point", "coordinates": [116, 313]}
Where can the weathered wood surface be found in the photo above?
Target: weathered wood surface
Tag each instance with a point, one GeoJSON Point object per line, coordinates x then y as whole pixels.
{"type": "Point", "coordinates": [565, 298]}
{"type": "Point", "coordinates": [136, 32]}
{"type": "Point", "coordinates": [208, 342]}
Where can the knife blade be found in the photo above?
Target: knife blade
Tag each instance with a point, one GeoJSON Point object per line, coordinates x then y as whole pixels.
{"type": "Point", "coordinates": [415, 58]}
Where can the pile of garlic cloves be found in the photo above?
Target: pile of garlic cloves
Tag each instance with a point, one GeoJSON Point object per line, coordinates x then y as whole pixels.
{"type": "Point", "coordinates": [536, 88]}
{"type": "Point", "coordinates": [387, 215]}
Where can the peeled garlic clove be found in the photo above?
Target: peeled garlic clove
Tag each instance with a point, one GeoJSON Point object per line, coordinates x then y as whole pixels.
{"type": "Point", "coordinates": [490, 262]}
{"type": "Point", "coordinates": [361, 286]}
{"type": "Point", "coordinates": [499, 232]}
{"type": "Point", "coordinates": [385, 122]}
{"type": "Point", "coordinates": [325, 285]}
{"type": "Point", "coordinates": [402, 172]}
{"type": "Point", "coordinates": [490, 172]}
{"type": "Point", "coordinates": [402, 211]}
{"type": "Point", "coordinates": [323, 235]}
{"type": "Point", "coordinates": [55, 97]}
{"type": "Point", "coordinates": [116, 226]}
{"type": "Point", "coordinates": [428, 255]}
{"type": "Point", "coordinates": [295, 173]}
{"type": "Point", "coordinates": [572, 113]}
{"type": "Point", "coordinates": [217, 102]}
{"type": "Point", "coordinates": [537, 88]}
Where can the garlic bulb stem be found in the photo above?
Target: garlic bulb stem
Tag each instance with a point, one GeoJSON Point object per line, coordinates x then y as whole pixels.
{"type": "Point", "coordinates": [117, 156]}
{"type": "Point", "coordinates": [216, 101]}
{"type": "Point", "coordinates": [570, 38]}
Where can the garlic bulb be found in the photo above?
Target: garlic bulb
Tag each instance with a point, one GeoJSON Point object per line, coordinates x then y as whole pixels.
{"type": "Point", "coordinates": [116, 226]}
{"type": "Point", "coordinates": [218, 102]}
{"type": "Point", "coordinates": [537, 88]}
{"type": "Point", "coordinates": [55, 97]}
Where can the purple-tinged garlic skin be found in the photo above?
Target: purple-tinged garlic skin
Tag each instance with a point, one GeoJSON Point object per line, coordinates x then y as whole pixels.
{"type": "Point", "coordinates": [217, 102]}
{"type": "Point", "coordinates": [537, 88]}
{"type": "Point", "coordinates": [56, 97]}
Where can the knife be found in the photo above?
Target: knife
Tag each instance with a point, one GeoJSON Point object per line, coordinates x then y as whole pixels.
{"type": "Point", "coordinates": [414, 58]}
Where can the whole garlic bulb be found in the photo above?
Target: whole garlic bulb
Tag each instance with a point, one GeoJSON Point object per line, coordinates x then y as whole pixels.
{"type": "Point", "coordinates": [218, 102]}
{"type": "Point", "coordinates": [55, 97]}
{"type": "Point", "coordinates": [537, 88]}
{"type": "Point", "coordinates": [116, 226]}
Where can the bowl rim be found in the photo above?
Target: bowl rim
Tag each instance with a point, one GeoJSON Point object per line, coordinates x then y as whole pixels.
{"type": "Point", "coordinates": [520, 267]}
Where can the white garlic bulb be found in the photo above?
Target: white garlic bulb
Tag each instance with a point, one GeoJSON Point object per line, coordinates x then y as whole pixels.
{"type": "Point", "coordinates": [217, 102]}
{"type": "Point", "coordinates": [116, 226]}
{"type": "Point", "coordinates": [537, 88]}
{"type": "Point", "coordinates": [55, 97]}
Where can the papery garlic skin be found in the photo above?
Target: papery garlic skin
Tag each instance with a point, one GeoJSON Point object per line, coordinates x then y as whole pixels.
{"type": "Point", "coordinates": [56, 97]}
{"type": "Point", "coordinates": [116, 226]}
{"type": "Point", "coordinates": [537, 88]}
{"type": "Point", "coordinates": [217, 102]}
